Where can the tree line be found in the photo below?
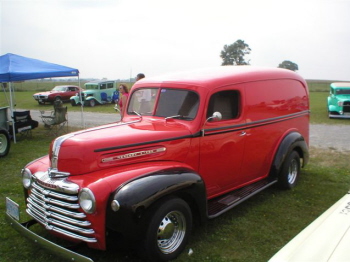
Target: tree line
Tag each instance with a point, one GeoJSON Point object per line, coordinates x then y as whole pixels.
{"type": "Point", "coordinates": [234, 54]}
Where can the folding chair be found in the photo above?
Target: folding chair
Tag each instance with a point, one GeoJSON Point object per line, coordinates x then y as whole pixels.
{"type": "Point", "coordinates": [23, 123]}
{"type": "Point", "coordinates": [105, 98]}
{"type": "Point", "coordinates": [57, 121]}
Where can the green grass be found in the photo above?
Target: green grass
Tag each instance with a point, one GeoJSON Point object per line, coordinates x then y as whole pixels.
{"type": "Point", "coordinates": [319, 85]}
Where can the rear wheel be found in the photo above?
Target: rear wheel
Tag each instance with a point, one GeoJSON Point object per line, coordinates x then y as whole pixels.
{"type": "Point", "coordinates": [4, 143]}
{"type": "Point", "coordinates": [168, 228]}
{"type": "Point", "coordinates": [289, 174]}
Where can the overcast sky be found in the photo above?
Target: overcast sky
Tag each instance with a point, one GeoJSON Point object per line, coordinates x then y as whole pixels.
{"type": "Point", "coordinates": [120, 38]}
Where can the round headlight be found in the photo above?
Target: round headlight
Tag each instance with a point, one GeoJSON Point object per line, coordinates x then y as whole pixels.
{"type": "Point", "coordinates": [87, 200]}
{"type": "Point", "coordinates": [26, 178]}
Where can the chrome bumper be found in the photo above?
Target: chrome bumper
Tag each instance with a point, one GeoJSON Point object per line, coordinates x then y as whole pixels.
{"type": "Point", "coordinates": [23, 229]}
{"type": "Point", "coordinates": [339, 116]}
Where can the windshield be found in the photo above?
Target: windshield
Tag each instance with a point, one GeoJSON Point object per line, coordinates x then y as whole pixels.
{"type": "Point", "coordinates": [59, 88]}
{"type": "Point", "coordinates": [164, 102]}
{"type": "Point", "coordinates": [342, 91]}
{"type": "Point", "coordinates": [91, 86]}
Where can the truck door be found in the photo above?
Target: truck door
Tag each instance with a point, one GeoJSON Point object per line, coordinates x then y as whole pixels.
{"type": "Point", "coordinates": [222, 143]}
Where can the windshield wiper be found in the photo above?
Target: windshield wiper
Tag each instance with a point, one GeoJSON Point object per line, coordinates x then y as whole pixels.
{"type": "Point", "coordinates": [138, 114]}
{"type": "Point", "coordinates": [176, 116]}
{"type": "Point", "coordinates": [179, 117]}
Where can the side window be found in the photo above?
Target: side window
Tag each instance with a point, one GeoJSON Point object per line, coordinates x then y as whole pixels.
{"type": "Point", "coordinates": [103, 86]}
{"type": "Point", "coordinates": [110, 85]}
{"type": "Point", "coordinates": [225, 102]}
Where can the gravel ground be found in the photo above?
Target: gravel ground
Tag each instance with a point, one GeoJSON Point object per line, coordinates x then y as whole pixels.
{"type": "Point", "coordinates": [335, 137]}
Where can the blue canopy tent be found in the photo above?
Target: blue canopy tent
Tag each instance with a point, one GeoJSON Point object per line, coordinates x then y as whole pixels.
{"type": "Point", "coordinates": [19, 68]}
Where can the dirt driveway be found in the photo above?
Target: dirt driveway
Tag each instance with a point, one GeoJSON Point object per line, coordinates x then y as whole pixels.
{"type": "Point", "coordinates": [335, 137]}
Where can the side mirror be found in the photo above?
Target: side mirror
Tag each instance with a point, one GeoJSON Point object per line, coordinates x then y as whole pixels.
{"type": "Point", "coordinates": [217, 116]}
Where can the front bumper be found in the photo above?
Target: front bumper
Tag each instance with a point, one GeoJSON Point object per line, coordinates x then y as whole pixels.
{"type": "Point", "coordinates": [346, 115]}
{"type": "Point", "coordinates": [23, 229]}
{"type": "Point", "coordinates": [38, 99]}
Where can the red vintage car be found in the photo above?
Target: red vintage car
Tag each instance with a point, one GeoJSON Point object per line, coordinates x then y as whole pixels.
{"type": "Point", "coordinates": [190, 146]}
{"type": "Point", "coordinates": [58, 93]}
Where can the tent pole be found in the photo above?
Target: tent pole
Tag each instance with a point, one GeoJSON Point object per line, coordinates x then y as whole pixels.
{"type": "Point", "coordinates": [12, 115]}
{"type": "Point", "coordinates": [81, 105]}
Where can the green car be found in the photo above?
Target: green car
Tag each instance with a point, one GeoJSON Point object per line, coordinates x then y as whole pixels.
{"type": "Point", "coordinates": [339, 100]}
{"type": "Point", "coordinates": [96, 93]}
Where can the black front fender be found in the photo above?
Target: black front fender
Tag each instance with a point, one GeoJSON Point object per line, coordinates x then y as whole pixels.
{"type": "Point", "coordinates": [135, 197]}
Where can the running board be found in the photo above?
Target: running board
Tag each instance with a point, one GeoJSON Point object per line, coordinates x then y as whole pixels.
{"type": "Point", "coordinates": [221, 204]}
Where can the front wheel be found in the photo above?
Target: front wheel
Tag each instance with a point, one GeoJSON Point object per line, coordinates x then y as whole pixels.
{"type": "Point", "coordinates": [168, 229]}
{"type": "Point", "coordinates": [4, 143]}
{"type": "Point", "coordinates": [289, 174]}
{"type": "Point", "coordinates": [92, 102]}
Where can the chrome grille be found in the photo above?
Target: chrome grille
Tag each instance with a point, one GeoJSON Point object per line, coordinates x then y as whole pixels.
{"type": "Point", "coordinates": [346, 107]}
{"type": "Point", "coordinates": [59, 212]}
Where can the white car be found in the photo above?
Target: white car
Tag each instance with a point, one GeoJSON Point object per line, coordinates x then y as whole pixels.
{"type": "Point", "coordinates": [325, 239]}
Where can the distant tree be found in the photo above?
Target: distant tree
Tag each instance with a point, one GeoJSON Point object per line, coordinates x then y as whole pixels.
{"type": "Point", "coordinates": [289, 65]}
{"type": "Point", "coordinates": [234, 54]}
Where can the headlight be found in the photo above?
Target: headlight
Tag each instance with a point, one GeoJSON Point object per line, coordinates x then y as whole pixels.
{"type": "Point", "coordinates": [26, 178]}
{"type": "Point", "coordinates": [340, 103]}
{"type": "Point", "coordinates": [87, 200]}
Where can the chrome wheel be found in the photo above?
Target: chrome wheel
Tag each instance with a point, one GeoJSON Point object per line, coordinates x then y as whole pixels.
{"type": "Point", "coordinates": [171, 232]}
{"type": "Point", "coordinates": [4, 143]}
{"type": "Point", "coordinates": [168, 225]}
{"type": "Point", "coordinates": [290, 171]}
{"type": "Point", "coordinates": [293, 171]}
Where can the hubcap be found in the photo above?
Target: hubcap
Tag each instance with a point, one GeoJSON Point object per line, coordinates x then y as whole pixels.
{"type": "Point", "coordinates": [292, 171]}
{"type": "Point", "coordinates": [3, 143]}
{"type": "Point", "coordinates": [171, 232]}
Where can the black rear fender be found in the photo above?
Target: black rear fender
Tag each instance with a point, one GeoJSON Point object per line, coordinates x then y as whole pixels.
{"type": "Point", "coordinates": [292, 141]}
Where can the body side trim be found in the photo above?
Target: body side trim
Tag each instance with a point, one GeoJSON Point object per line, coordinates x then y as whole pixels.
{"type": "Point", "coordinates": [215, 131]}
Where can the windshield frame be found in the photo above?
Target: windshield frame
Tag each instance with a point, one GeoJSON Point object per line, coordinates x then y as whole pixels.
{"type": "Point", "coordinates": [156, 103]}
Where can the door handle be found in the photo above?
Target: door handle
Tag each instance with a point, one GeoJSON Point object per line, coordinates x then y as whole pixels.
{"type": "Point", "coordinates": [243, 133]}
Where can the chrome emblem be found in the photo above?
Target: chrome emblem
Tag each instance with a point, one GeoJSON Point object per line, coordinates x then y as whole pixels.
{"type": "Point", "coordinates": [134, 154]}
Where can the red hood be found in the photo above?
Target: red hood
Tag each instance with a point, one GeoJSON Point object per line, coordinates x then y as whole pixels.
{"type": "Point", "coordinates": [119, 144]}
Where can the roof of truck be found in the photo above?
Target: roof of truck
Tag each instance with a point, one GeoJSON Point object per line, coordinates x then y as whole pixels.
{"type": "Point", "coordinates": [340, 85]}
{"type": "Point", "coordinates": [223, 75]}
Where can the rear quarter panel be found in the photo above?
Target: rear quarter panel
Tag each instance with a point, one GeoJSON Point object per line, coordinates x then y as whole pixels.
{"type": "Point", "coordinates": [273, 109]}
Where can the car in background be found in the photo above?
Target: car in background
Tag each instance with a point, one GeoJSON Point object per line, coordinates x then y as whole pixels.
{"type": "Point", "coordinates": [325, 239]}
{"type": "Point", "coordinates": [339, 100]}
{"type": "Point", "coordinates": [58, 93]}
{"type": "Point", "coordinates": [99, 92]}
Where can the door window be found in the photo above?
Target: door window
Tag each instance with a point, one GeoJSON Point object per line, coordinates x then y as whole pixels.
{"type": "Point", "coordinates": [226, 102]}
